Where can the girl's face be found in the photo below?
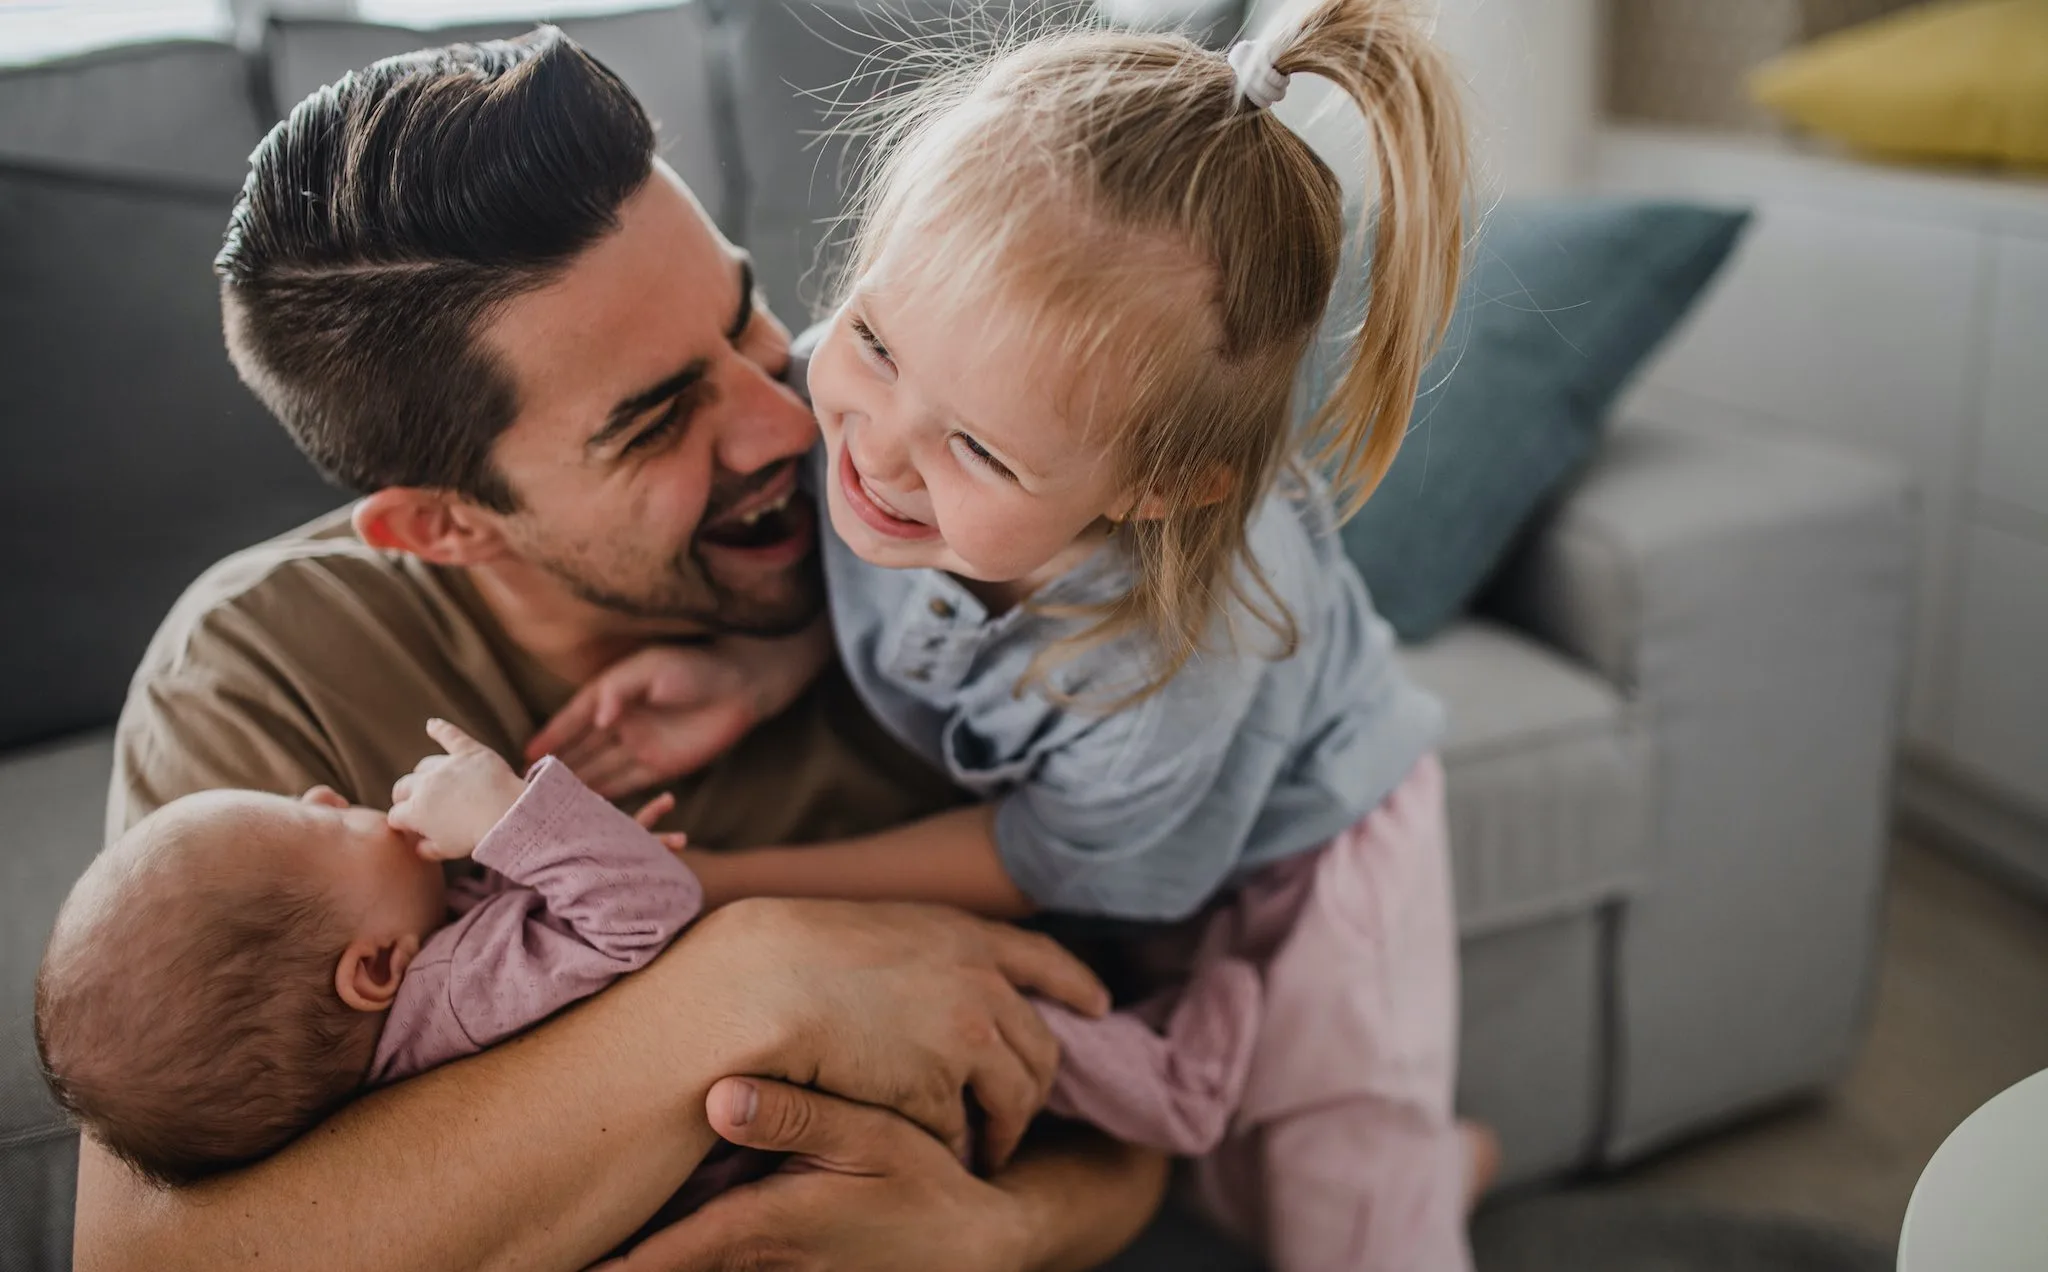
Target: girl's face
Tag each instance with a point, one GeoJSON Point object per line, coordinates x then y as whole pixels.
{"type": "Point", "coordinates": [951, 446]}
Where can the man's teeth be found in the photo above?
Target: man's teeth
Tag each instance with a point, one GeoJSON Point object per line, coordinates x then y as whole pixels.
{"type": "Point", "coordinates": [773, 506]}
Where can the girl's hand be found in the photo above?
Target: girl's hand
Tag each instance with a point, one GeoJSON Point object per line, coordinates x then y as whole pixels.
{"type": "Point", "coordinates": [669, 710]}
{"type": "Point", "coordinates": [450, 802]}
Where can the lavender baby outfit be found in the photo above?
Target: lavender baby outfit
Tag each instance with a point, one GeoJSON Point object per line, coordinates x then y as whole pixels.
{"type": "Point", "coordinates": [577, 894]}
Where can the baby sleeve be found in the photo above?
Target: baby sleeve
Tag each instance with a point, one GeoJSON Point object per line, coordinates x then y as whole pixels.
{"type": "Point", "coordinates": [593, 896]}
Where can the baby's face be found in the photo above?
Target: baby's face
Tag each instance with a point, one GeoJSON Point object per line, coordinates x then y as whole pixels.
{"type": "Point", "coordinates": [950, 447]}
{"type": "Point", "coordinates": [375, 870]}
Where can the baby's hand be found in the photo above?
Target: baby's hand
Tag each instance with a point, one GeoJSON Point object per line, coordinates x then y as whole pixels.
{"type": "Point", "coordinates": [451, 801]}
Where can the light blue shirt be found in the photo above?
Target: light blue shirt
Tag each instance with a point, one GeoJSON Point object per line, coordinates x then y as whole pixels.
{"type": "Point", "coordinates": [1240, 760]}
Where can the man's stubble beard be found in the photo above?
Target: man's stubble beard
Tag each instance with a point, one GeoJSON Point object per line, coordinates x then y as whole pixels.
{"type": "Point", "coordinates": [689, 594]}
{"type": "Point", "coordinates": [685, 589]}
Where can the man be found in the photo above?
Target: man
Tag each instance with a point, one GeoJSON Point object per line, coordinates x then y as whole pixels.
{"type": "Point", "coordinates": [469, 291]}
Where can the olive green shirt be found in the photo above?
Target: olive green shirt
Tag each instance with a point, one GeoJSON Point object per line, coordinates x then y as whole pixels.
{"type": "Point", "coordinates": [315, 658]}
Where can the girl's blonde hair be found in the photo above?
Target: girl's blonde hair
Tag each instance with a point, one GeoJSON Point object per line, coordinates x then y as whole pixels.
{"type": "Point", "coordinates": [1179, 244]}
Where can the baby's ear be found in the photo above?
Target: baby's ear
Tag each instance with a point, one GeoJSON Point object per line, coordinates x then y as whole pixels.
{"type": "Point", "coordinates": [368, 976]}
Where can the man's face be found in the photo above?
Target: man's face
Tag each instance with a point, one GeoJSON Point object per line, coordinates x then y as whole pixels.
{"type": "Point", "coordinates": [654, 452]}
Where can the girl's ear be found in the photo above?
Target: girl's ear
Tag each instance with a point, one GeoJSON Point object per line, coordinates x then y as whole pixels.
{"type": "Point", "coordinates": [430, 524]}
{"type": "Point", "coordinates": [1212, 488]}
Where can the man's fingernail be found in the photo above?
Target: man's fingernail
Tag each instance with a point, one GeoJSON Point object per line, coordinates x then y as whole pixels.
{"type": "Point", "coordinates": [742, 1101]}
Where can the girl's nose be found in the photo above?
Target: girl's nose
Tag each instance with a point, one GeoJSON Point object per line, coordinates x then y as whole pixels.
{"type": "Point", "coordinates": [879, 452]}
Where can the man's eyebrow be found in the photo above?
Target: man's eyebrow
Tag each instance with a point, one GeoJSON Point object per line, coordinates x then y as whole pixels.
{"type": "Point", "coordinates": [632, 408]}
{"type": "Point", "coordinates": [746, 311]}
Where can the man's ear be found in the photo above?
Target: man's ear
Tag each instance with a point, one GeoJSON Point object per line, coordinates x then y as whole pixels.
{"type": "Point", "coordinates": [371, 968]}
{"type": "Point", "coordinates": [433, 525]}
{"type": "Point", "coordinates": [1151, 507]}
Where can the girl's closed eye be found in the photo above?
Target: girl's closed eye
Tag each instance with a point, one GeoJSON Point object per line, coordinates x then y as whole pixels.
{"type": "Point", "coordinates": [871, 346]}
{"type": "Point", "coordinates": [975, 453]}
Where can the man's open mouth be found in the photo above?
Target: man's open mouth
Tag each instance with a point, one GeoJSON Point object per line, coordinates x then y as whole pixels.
{"type": "Point", "coordinates": [766, 524]}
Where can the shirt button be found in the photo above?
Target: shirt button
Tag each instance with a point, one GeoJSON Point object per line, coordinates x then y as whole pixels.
{"type": "Point", "coordinates": [941, 607]}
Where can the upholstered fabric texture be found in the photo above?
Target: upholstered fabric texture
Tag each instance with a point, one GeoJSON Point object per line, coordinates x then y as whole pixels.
{"type": "Point", "coordinates": [1562, 301]}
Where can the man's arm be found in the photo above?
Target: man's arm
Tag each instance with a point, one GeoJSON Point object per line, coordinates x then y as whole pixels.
{"type": "Point", "coordinates": [546, 1151]}
{"type": "Point", "coordinates": [868, 1179]}
{"type": "Point", "coordinates": [495, 1161]}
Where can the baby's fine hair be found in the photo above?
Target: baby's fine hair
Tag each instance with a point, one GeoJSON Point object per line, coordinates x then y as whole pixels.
{"type": "Point", "coordinates": [1159, 227]}
{"type": "Point", "coordinates": [186, 1015]}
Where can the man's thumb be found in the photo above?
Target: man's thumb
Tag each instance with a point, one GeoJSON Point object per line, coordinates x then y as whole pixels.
{"type": "Point", "coordinates": [778, 1118]}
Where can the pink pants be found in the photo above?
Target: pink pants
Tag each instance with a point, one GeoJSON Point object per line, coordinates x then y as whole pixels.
{"type": "Point", "coordinates": [1345, 1155]}
{"type": "Point", "coordinates": [1316, 1041]}
{"type": "Point", "coordinates": [1339, 1151]}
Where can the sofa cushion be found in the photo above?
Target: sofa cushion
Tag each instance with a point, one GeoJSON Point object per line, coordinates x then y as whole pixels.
{"type": "Point", "coordinates": [179, 110]}
{"type": "Point", "coordinates": [1549, 781]}
{"type": "Point", "coordinates": [1955, 83]}
{"type": "Point", "coordinates": [1564, 299]}
{"type": "Point", "coordinates": [56, 798]}
{"type": "Point", "coordinates": [663, 54]}
{"type": "Point", "coordinates": [130, 455]}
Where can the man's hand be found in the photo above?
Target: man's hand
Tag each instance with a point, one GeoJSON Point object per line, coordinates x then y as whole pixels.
{"type": "Point", "coordinates": [669, 710]}
{"type": "Point", "coordinates": [450, 802]}
{"type": "Point", "coordinates": [903, 1006]}
{"type": "Point", "coordinates": [866, 1192]}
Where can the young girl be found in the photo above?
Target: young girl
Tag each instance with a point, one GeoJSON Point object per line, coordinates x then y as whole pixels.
{"type": "Point", "coordinates": [1074, 563]}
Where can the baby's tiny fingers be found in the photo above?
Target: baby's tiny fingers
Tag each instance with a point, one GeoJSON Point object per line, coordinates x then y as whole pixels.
{"type": "Point", "coordinates": [453, 739]}
{"type": "Point", "coordinates": [674, 840]}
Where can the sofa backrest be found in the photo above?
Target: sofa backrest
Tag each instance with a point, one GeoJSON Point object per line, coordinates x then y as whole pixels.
{"type": "Point", "coordinates": [180, 111]}
{"type": "Point", "coordinates": [130, 457]}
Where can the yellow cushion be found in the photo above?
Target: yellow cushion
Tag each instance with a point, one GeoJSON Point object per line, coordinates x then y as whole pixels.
{"type": "Point", "coordinates": [1964, 81]}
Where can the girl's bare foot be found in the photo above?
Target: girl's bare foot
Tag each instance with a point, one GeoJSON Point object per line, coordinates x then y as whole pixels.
{"type": "Point", "coordinates": [1482, 1149]}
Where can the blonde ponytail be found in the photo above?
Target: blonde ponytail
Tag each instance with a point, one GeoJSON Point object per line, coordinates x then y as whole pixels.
{"type": "Point", "coordinates": [1382, 59]}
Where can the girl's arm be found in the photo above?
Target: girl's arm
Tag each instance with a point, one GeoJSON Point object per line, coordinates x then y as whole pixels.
{"type": "Point", "coordinates": [946, 859]}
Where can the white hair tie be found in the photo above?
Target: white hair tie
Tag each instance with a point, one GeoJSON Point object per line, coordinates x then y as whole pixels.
{"type": "Point", "coordinates": [1257, 81]}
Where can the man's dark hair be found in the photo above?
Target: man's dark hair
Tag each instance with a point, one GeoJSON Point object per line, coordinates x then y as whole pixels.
{"type": "Point", "coordinates": [382, 221]}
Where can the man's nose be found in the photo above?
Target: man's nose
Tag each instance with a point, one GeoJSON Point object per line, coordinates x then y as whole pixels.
{"type": "Point", "coordinates": [765, 423]}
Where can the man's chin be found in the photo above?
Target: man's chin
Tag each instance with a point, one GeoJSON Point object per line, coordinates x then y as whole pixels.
{"type": "Point", "coordinates": [771, 612]}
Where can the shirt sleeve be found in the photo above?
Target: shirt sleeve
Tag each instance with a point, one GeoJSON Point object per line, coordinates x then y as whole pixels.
{"type": "Point", "coordinates": [594, 897]}
{"type": "Point", "coordinates": [1136, 816]}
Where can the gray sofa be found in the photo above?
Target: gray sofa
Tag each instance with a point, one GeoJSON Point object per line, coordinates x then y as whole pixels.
{"type": "Point", "coordinates": [1672, 715]}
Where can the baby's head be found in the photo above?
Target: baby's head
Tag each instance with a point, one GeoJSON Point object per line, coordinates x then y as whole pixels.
{"type": "Point", "coordinates": [1083, 277]}
{"type": "Point", "coordinates": [216, 981]}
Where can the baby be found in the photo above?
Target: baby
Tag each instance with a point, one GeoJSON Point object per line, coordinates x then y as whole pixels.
{"type": "Point", "coordinates": [240, 964]}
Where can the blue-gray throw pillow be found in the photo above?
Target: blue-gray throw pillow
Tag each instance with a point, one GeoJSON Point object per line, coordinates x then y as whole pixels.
{"type": "Point", "coordinates": [1563, 299]}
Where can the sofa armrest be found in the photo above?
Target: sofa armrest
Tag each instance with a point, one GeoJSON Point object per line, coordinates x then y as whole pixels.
{"type": "Point", "coordinates": [1751, 595]}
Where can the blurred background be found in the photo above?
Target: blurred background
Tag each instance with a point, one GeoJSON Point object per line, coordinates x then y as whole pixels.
{"type": "Point", "coordinates": [1723, 531]}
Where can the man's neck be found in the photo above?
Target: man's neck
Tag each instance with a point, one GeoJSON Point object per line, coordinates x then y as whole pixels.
{"type": "Point", "coordinates": [566, 635]}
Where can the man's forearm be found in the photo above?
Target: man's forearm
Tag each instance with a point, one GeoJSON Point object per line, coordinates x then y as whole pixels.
{"type": "Point", "coordinates": [1084, 1197]}
{"type": "Point", "coordinates": [542, 1153]}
